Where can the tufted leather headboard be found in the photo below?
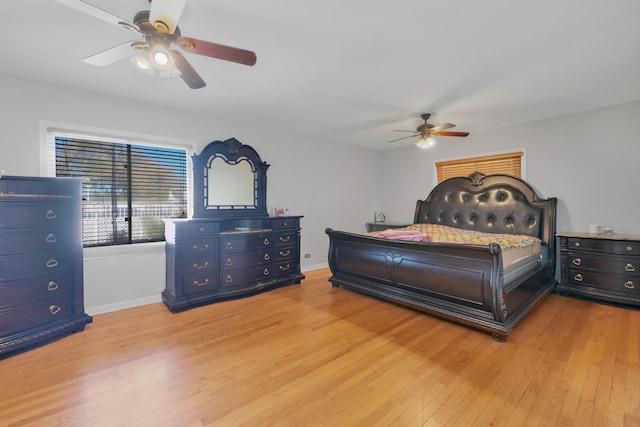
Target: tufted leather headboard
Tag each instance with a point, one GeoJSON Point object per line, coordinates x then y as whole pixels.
{"type": "Point", "coordinates": [490, 203]}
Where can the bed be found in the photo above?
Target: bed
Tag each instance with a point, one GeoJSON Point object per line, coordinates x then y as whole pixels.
{"type": "Point", "coordinates": [482, 279]}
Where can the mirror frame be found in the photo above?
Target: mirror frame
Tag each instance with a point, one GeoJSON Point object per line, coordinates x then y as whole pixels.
{"type": "Point", "coordinates": [231, 151]}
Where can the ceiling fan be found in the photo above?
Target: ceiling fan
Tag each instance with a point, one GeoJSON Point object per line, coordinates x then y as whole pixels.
{"type": "Point", "coordinates": [426, 132]}
{"type": "Point", "coordinates": [159, 29]}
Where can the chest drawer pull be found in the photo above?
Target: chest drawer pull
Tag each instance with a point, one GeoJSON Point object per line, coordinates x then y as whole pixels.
{"type": "Point", "coordinates": [629, 284]}
{"type": "Point", "coordinates": [228, 279]}
{"type": "Point", "coordinates": [200, 267]}
{"type": "Point", "coordinates": [229, 245]}
{"type": "Point", "coordinates": [54, 309]}
{"type": "Point", "coordinates": [578, 278]}
{"type": "Point", "coordinates": [629, 267]}
{"type": "Point", "coordinates": [266, 241]}
{"type": "Point", "coordinates": [52, 286]}
{"type": "Point", "coordinates": [283, 253]}
{"type": "Point", "coordinates": [285, 239]}
{"type": "Point", "coordinates": [576, 261]}
{"type": "Point", "coordinates": [52, 263]}
{"type": "Point", "coordinates": [51, 238]}
{"type": "Point", "coordinates": [51, 214]}
{"type": "Point", "coordinates": [195, 282]}
{"type": "Point", "coordinates": [204, 248]}
{"type": "Point", "coordinates": [285, 267]}
{"type": "Point", "coordinates": [266, 272]}
{"type": "Point", "coordinates": [229, 262]}
{"type": "Point", "coordinates": [267, 257]}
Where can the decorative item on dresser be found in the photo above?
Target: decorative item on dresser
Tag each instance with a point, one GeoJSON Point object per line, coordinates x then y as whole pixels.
{"type": "Point", "coordinates": [231, 248]}
{"type": "Point", "coordinates": [41, 284]}
{"type": "Point", "coordinates": [602, 267]}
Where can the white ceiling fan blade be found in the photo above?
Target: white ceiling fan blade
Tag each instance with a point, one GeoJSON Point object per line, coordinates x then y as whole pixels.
{"type": "Point", "coordinates": [111, 55]}
{"type": "Point", "coordinates": [96, 12]}
{"type": "Point", "coordinates": [165, 14]}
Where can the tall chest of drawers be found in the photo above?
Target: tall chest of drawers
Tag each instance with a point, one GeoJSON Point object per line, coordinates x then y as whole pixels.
{"type": "Point", "coordinates": [211, 260]}
{"type": "Point", "coordinates": [41, 283]}
{"type": "Point", "coordinates": [601, 267]}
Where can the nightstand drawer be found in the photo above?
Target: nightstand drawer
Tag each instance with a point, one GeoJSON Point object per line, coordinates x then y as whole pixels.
{"type": "Point", "coordinates": [610, 282]}
{"type": "Point", "coordinates": [618, 247]}
{"type": "Point", "coordinates": [612, 265]}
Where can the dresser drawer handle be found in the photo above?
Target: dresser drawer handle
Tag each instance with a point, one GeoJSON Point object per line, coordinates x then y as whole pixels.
{"type": "Point", "coordinates": [285, 239]}
{"type": "Point", "coordinates": [629, 284]}
{"type": "Point", "coordinates": [283, 253]}
{"type": "Point", "coordinates": [266, 272]}
{"type": "Point", "coordinates": [285, 267]}
{"type": "Point", "coordinates": [629, 248]}
{"type": "Point", "coordinates": [229, 245]}
{"type": "Point", "coordinates": [51, 238]}
{"type": "Point", "coordinates": [54, 309]}
{"type": "Point", "coordinates": [578, 278]}
{"type": "Point", "coordinates": [204, 248]}
{"type": "Point", "coordinates": [200, 267]}
{"type": "Point", "coordinates": [285, 224]}
{"type": "Point", "coordinates": [267, 257]}
{"type": "Point", "coordinates": [52, 263]}
{"type": "Point", "coordinates": [52, 286]}
{"type": "Point", "coordinates": [229, 262]}
{"type": "Point", "coordinates": [266, 241]}
{"type": "Point", "coordinates": [195, 282]}
{"type": "Point", "coordinates": [629, 267]}
{"type": "Point", "coordinates": [228, 279]}
{"type": "Point", "coordinates": [51, 214]}
{"type": "Point", "coordinates": [576, 261]}
{"type": "Point", "coordinates": [576, 244]}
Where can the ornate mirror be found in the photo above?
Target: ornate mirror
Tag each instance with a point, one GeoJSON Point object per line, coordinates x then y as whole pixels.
{"type": "Point", "coordinates": [230, 180]}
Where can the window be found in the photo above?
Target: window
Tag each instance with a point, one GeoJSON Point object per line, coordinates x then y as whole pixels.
{"type": "Point", "coordinates": [505, 163]}
{"type": "Point", "coordinates": [128, 189]}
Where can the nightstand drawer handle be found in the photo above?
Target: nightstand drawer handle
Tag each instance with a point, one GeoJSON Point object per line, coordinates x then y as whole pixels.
{"type": "Point", "coordinates": [51, 238]}
{"type": "Point", "coordinates": [52, 286]}
{"type": "Point", "coordinates": [200, 267]}
{"type": "Point", "coordinates": [576, 261]}
{"type": "Point", "coordinates": [629, 267]}
{"type": "Point", "coordinates": [629, 285]}
{"type": "Point", "coordinates": [578, 278]}
{"type": "Point", "coordinates": [54, 309]}
{"type": "Point", "coordinates": [285, 239]}
{"type": "Point", "coordinates": [197, 248]}
{"type": "Point", "coordinates": [195, 282]}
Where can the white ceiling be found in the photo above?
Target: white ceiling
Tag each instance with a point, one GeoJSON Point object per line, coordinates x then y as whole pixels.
{"type": "Point", "coordinates": [352, 71]}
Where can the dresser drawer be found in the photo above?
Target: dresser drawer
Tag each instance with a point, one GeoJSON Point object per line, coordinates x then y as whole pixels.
{"type": "Point", "coordinates": [36, 213]}
{"type": "Point", "coordinates": [199, 265]}
{"type": "Point", "coordinates": [610, 264]}
{"type": "Point", "coordinates": [17, 240]}
{"type": "Point", "coordinates": [20, 292]}
{"type": "Point", "coordinates": [285, 239]}
{"type": "Point", "coordinates": [36, 263]}
{"type": "Point", "coordinates": [244, 242]}
{"type": "Point", "coordinates": [196, 247]}
{"type": "Point", "coordinates": [284, 253]}
{"type": "Point", "coordinates": [610, 282]}
{"type": "Point", "coordinates": [33, 315]}
{"type": "Point", "coordinates": [285, 223]}
{"type": "Point", "coordinates": [201, 283]}
{"type": "Point", "coordinates": [618, 247]}
{"type": "Point", "coordinates": [245, 276]}
{"type": "Point", "coordinates": [244, 260]}
{"type": "Point", "coordinates": [197, 228]}
{"type": "Point", "coordinates": [284, 268]}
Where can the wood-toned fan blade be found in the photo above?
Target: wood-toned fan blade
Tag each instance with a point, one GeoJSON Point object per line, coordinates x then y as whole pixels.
{"type": "Point", "coordinates": [404, 137]}
{"type": "Point", "coordinates": [188, 73]}
{"type": "Point", "coordinates": [96, 12]}
{"type": "Point", "coordinates": [218, 51]}
{"type": "Point", "coordinates": [453, 133]}
{"type": "Point", "coordinates": [442, 127]}
{"type": "Point", "coordinates": [111, 55]}
{"type": "Point", "coordinates": [165, 14]}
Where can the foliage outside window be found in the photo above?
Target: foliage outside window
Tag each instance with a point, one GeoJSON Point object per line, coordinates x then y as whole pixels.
{"type": "Point", "coordinates": [128, 189]}
{"type": "Point", "coordinates": [506, 163]}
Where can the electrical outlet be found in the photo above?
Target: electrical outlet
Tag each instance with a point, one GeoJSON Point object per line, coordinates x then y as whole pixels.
{"type": "Point", "coordinates": [307, 255]}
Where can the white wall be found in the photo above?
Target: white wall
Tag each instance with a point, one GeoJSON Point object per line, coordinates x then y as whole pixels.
{"type": "Point", "coordinates": [330, 184]}
{"type": "Point", "coordinates": [589, 161]}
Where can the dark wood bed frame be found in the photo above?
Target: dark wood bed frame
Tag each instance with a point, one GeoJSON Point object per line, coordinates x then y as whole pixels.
{"type": "Point", "coordinates": [459, 283]}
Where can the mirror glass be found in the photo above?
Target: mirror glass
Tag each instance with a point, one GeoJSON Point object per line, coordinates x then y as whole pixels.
{"type": "Point", "coordinates": [230, 185]}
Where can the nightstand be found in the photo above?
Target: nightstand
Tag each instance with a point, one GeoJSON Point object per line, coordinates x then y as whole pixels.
{"type": "Point", "coordinates": [600, 267]}
{"type": "Point", "coordinates": [379, 226]}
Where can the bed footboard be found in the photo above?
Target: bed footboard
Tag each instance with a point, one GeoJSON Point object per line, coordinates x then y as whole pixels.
{"type": "Point", "coordinates": [459, 283]}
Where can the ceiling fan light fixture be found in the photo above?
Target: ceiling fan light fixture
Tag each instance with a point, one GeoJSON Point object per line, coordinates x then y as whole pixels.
{"type": "Point", "coordinates": [426, 142]}
{"type": "Point", "coordinates": [160, 57]}
{"type": "Point", "coordinates": [142, 63]}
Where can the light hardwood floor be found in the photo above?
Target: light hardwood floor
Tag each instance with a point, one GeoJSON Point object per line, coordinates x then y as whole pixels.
{"type": "Point", "coordinates": [312, 355]}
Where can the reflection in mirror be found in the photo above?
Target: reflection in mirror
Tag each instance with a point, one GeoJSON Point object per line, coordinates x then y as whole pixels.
{"type": "Point", "coordinates": [230, 184]}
